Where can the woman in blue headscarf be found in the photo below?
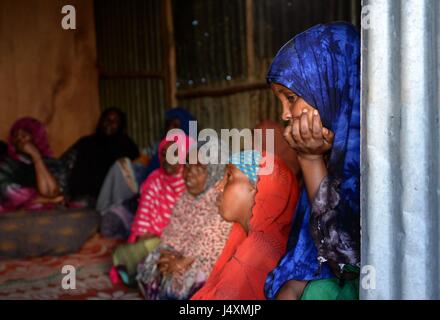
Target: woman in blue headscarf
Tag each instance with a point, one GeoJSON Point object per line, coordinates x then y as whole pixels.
{"type": "Point", "coordinates": [175, 118]}
{"type": "Point", "coordinates": [316, 76]}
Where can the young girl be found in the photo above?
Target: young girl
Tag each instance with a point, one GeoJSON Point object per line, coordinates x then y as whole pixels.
{"type": "Point", "coordinates": [159, 194]}
{"type": "Point", "coordinates": [316, 76]}
{"type": "Point", "coordinates": [261, 208]}
{"type": "Point", "coordinates": [193, 240]}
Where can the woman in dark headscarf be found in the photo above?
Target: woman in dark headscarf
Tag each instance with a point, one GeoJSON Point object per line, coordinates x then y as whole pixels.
{"type": "Point", "coordinates": [316, 76]}
{"type": "Point", "coordinates": [89, 159]}
{"type": "Point", "coordinates": [29, 177]}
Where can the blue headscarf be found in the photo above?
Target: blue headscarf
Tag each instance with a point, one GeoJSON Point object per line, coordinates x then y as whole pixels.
{"type": "Point", "coordinates": [184, 117]}
{"type": "Point", "coordinates": [248, 162]}
{"type": "Point", "coordinates": [322, 66]}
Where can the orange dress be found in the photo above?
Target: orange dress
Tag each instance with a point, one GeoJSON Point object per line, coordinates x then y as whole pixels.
{"type": "Point", "coordinates": [242, 268]}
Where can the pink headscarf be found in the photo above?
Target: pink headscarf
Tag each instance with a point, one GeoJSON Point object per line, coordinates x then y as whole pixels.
{"type": "Point", "coordinates": [159, 193]}
{"type": "Point", "coordinates": [38, 132]}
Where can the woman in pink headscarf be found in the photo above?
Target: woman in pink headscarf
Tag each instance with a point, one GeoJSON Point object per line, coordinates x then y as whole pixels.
{"type": "Point", "coordinates": [29, 177]}
{"type": "Point", "coordinates": [158, 196]}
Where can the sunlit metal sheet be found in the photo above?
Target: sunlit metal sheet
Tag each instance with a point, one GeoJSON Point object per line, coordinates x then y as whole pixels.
{"type": "Point", "coordinates": [400, 149]}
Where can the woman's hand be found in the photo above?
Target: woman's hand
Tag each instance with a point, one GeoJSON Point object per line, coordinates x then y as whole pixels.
{"type": "Point", "coordinates": [172, 264]}
{"type": "Point", "coordinates": [311, 141]}
{"type": "Point", "coordinates": [308, 137]}
{"type": "Point", "coordinates": [30, 149]}
{"type": "Point", "coordinates": [165, 261]}
{"type": "Point", "coordinates": [180, 265]}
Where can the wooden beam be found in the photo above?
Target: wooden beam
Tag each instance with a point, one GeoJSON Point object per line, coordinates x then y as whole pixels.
{"type": "Point", "coordinates": [250, 49]}
{"type": "Point", "coordinates": [218, 92]}
{"type": "Point", "coordinates": [130, 75]}
{"type": "Point", "coordinates": [170, 54]}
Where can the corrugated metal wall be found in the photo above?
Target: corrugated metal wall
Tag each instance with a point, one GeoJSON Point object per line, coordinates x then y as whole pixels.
{"type": "Point", "coordinates": [210, 40]}
{"type": "Point", "coordinates": [277, 21]}
{"type": "Point", "coordinates": [131, 63]}
{"type": "Point", "coordinates": [400, 149]}
{"type": "Point", "coordinates": [219, 45]}
{"type": "Point", "coordinates": [212, 53]}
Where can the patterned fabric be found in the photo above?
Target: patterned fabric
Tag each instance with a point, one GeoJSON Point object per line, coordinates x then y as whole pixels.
{"type": "Point", "coordinates": [18, 184]}
{"type": "Point", "coordinates": [242, 267]}
{"type": "Point", "coordinates": [323, 226]}
{"type": "Point", "coordinates": [322, 65]}
{"type": "Point", "coordinates": [247, 162]}
{"type": "Point", "coordinates": [40, 278]}
{"type": "Point", "coordinates": [55, 232]}
{"type": "Point", "coordinates": [159, 193]}
{"type": "Point", "coordinates": [196, 230]}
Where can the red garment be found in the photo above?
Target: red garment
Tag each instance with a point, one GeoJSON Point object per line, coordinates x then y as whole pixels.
{"type": "Point", "coordinates": [242, 268]}
{"type": "Point", "coordinates": [281, 147]}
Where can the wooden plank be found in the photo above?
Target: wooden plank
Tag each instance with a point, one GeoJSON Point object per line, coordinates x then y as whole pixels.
{"type": "Point", "coordinates": [250, 49]}
{"type": "Point", "coordinates": [131, 75]}
{"type": "Point", "coordinates": [218, 92]}
{"type": "Point", "coordinates": [170, 54]}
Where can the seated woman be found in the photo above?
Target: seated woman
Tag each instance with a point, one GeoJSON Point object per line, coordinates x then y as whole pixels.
{"type": "Point", "coordinates": [193, 240]}
{"type": "Point", "coordinates": [90, 158]}
{"type": "Point", "coordinates": [261, 208]}
{"type": "Point", "coordinates": [122, 182]}
{"type": "Point", "coordinates": [30, 179]}
{"type": "Point", "coordinates": [322, 106]}
{"type": "Point", "coordinates": [159, 194]}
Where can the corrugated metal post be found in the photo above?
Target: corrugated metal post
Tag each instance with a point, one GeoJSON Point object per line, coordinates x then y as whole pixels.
{"type": "Point", "coordinates": [170, 53]}
{"type": "Point", "coordinates": [400, 149]}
